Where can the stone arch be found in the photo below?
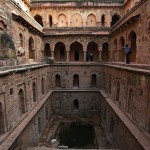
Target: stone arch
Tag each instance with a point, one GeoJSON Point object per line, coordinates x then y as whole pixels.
{"type": "Point", "coordinates": [76, 104]}
{"type": "Point", "coordinates": [60, 52]}
{"type": "Point", "coordinates": [93, 80]}
{"type": "Point", "coordinates": [76, 52]}
{"type": "Point", "coordinates": [103, 20]}
{"type": "Point", "coordinates": [91, 20]}
{"type": "Point", "coordinates": [57, 81]}
{"type": "Point", "coordinates": [115, 44]}
{"type": "Point", "coordinates": [34, 90]}
{"type": "Point", "coordinates": [121, 47]}
{"type": "Point", "coordinates": [77, 20]}
{"type": "Point", "coordinates": [39, 124]}
{"type": "Point", "coordinates": [92, 52]}
{"type": "Point", "coordinates": [43, 85]}
{"type": "Point", "coordinates": [50, 21]}
{"type": "Point", "coordinates": [31, 48]}
{"type": "Point", "coordinates": [118, 91]}
{"type": "Point", "coordinates": [115, 19]}
{"type": "Point", "coordinates": [132, 43]}
{"type": "Point", "coordinates": [75, 80]}
{"type": "Point", "coordinates": [105, 52]}
{"type": "Point", "coordinates": [21, 99]}
{"type": "Point", "coordinates": [115, 47]}
{"type": "Point", "coordinates": [130, 101]}
{"type": "Point", "coordinates": [21, 39]}
{"type": "Point", "coordinates": [39, 19]}
{"type": "Point", "coordinates": [2, 125]}
{"type": "Point", "coordinates": [62, 21]}
{"type": "Point", "coordinates": [47, 51]}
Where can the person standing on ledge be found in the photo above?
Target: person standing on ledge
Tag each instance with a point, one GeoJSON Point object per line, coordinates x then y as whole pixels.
{"type": "Point", "coordinates": [127, 52]}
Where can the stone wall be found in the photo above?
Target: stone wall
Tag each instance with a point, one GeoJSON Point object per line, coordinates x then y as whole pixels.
{"type": "Point", "coordinates": [129, 88]}
{"type": "Point", "coordinates": [75, 103]}
{"type": "Point", "coordinates": [75, 16]}
{"type": "Point", "coordinates": [32, 133]}
{"type": "Point", "coordinates": [67, 72]}
{"type": "Point", "coordinates": [135, 34]}
{"type": "Point", "coordinates": [117, 133]}
{"type": "Point", "coordinates": [16, 92]}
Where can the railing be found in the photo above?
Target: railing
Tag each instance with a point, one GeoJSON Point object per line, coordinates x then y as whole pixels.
{"type": "Point", "coordinates": [94, 1]}
{"type": "Point", "coordinates": [74, 30]}
{"type": "Point", "coordinates": [79, 3]}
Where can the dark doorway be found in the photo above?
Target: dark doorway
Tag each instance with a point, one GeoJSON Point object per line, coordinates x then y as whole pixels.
{"type": "Point", "coordinates": [57, 81]}
{"type": "Point", "coordinates": [93, 81]}
{"type": "Point", "coordinates": [115, 19]}
{"type": "Point", "coordinates": [76, 56]}
{"type": "Point", "coordinates": [75, 80]}
{"type": "Point", "coordinates": [76, 104]}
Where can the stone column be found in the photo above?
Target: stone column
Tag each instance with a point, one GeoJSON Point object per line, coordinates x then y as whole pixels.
{"type": "Point", "coordinates": [84, 50]}
{"type": "Point", "coordinates": [67, 56]}
{"type": "Point", "coordinates": [52, 49]}
{"type": "Point", "coordinates": [85, 56]}
{"type": "Point", "coordinates": [100, 52]}
{"type": "Point", "coordinates": [52, 53]}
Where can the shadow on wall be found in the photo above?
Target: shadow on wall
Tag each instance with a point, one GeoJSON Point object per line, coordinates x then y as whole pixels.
{"type": "Point", "coordinates": [7, 47]}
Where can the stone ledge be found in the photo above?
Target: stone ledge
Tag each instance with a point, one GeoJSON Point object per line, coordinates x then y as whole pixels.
{"type": "Point", "coordinates": [139, 135]}
{"type": "Point", "coordinates": [29, 115]}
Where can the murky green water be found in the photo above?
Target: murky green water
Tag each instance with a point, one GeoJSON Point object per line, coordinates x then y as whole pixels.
{"type": "Point", "coordinates": [77, 136]}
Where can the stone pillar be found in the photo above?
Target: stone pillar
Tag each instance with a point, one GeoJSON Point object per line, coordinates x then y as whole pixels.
{"type": "Point", "coordinates": [52, 49]}
{"type": "Point", "coordinates": [52, 53]}
{"type": "Point", "coordinates": [100, 52]}
{"type": "Point", "coordinates": [67, 56]}
{"type": "Point", "coordinates": [85, 56]}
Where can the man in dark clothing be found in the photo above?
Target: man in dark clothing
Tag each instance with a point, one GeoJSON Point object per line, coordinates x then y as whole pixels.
{"type": "Point", "coordinates": [127, 52]}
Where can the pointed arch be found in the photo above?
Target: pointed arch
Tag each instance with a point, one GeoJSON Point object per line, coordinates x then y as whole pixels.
{"type": "Point", "coordinates": [60, 53]}
{"type": "Point", "coordinates": [122, 51]}
{"type": "Point", "coordinates": [47, 51]}
{"type": "Point", "coordinates": [75, 80]}
{"type": "Point", "coordinates": [76, 52]}
{"type": "Point", "coordinates": [39, 19]}
{"type": "Point", "coordinates": [43, 85]}
{"type": "Point", "coordinates": [93, 80]}
{"type": "Point", "coordinates": [77, 20]}
{"type": "Point", "coordinates": [103, 20]}
{"type": "Point", "coordinates": [21, 39]}
{"type": "Point", "coordinates": [50, 21]}
{"type": "Point", "coordinates": [115, 19]}
{"type": "Point", "coordinates": [62, 21]}
{"type": "Point", "coordinates": [34, 90]}
{"type": "Point", "coordinates": [76, 104]}
{"type": "Point", "coordinates": [57, 81]}
{"type": "Point", "coordinates": [115, 44]}
{"type": "Point", "coordinates": [132, 39]}
{"type": "Point", "coordinates": [92, 52]}
{"type": "Point", "coordinates": [21, 101]}
{"type": "Point", "coordinates": [31, 48]}
{"type": "Point", "coordinates": [105, 52]}
{"type": "Point", "coordinates": [91, 20]}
